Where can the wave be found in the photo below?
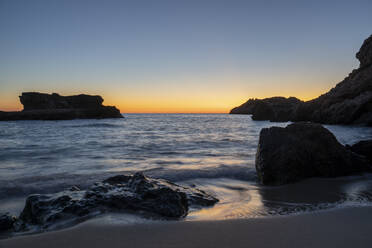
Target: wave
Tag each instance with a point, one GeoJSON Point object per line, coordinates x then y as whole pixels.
{"type": "Point", "coordinates": [92, 125]}
{"type": "Point", "coordinates": [223, 171]}
{"type": "Point", "coordinates": [29, 153]}
{"type": "Point", "coordinates": [297, 209]}
{"type": "Point", "coordinates": [53, 183]}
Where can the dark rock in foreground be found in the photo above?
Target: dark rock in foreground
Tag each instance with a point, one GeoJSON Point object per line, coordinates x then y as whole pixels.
{"type": "Point", "coordinates": [364, 148]}
{"type": "Point", "coordinates": [39, 106]}
{"type": "Point", "coordinates": [350, 102]}
{"type": "Point", "coordinates": [303, 150]}
{"type": "Point", "coordinates": [134, 193]}
{"type": "Point", "coordinates": [6, 222]}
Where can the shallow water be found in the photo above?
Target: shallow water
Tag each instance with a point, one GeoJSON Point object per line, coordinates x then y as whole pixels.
{"type": "Point", "coordinates": [215, 152]}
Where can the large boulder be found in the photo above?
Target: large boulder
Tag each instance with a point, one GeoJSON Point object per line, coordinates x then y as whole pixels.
{"type": "Point", "coordinates": [349, 102]}
{"type": "Point", "coordinates": [40, 106]}
{"type": "Point", "coordinates": [124, 192]}
{"type": "Point", "coordinates": [303, 150]}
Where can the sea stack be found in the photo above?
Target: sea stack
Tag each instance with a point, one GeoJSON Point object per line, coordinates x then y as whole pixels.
{"type": "Point", "coordinates": [41, 106]}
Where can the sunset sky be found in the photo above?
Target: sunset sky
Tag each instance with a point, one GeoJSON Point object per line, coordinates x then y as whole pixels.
{"type": "Point", "coordinates": [178, 56]}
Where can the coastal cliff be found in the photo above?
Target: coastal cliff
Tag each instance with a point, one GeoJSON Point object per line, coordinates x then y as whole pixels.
{"type": "Point", "coordinates": [349, 102]}
{"type": "Point", "coordinates": [41, 106]}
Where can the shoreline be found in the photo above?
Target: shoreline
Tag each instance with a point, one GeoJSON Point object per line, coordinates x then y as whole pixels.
{"type": "Point", "coordinates": [344, 227]}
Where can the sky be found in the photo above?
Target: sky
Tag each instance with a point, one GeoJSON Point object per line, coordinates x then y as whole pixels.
{"type": "Point", "coordinates": [178, 56]}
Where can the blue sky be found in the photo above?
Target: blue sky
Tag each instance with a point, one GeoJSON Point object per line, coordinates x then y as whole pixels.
{"type": "Point", "coordinates": [178, 56]}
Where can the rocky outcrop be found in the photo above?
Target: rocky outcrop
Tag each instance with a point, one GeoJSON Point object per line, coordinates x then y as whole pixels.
{"type": "Point", "coordinates": [365, 53]}
{"type": "Point", "coordinates": [38, 101]}
{"type": "Point", "coordinates": [39, 106]}
{"type": "Point", "coordinates": [303, 150]}
{"type": "Point", "coordinates": [364, 148]}
{"type": "Point", "coordinates": [272, 109]}
{"type": "Point", "coordinates": [350, 102]}
{"type": "Point", "coordinates": [124, 192]}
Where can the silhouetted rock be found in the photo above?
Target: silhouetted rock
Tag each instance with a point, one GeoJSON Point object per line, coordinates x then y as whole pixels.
{"type": "Point", "coordinates": [303, 150]}
{"type": "Point", "coordinates": [39, 106]}
{"type": "Point", "coordinates": [38, 101]}
{"type": "Point", "coordinates": [273, 109]}
{"type": "Point", "coordinates": [350, 102]}
{"type": "Point", "coordinates": [364, 148]}
{"type": "Point", "coordinates": [365, 53]}
{"type": "Point", "coordinates": [123, 192]}
{"type": "Point", "coordinates": [6, 222]}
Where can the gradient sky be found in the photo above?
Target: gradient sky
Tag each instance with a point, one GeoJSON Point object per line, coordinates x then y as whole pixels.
{"type": "Point", "coordinates": [178, 56]}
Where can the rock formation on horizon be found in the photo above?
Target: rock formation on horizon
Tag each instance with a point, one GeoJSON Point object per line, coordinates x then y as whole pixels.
{"type": "Point", "coordinates": [41, 106]}
{"type": "Point", "coordinates": [273, 109]}
{"type": "Point", "coordinates": [349, 102]}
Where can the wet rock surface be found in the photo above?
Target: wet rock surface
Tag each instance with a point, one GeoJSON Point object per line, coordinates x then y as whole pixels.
{"type": "Point", "coordinates": [138, 193]}
{"type": "Point", "coordinates": [303, 150]}
{"type": "Point", "coordinates": [6, 221]}
{"type": "Point", "coordinates": [40, 106]}
{"type": "Point", "coordinates": [349, 102]}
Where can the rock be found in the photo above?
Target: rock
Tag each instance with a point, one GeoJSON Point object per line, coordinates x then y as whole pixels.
{"type": "Point", "coordinates": [40, 106]}
{"type": "Point", "coordinates": [303, 150]}
{"type": "Point", "coordinates": [195, 197]}
{"type": "Point", "coordinates": [272, 109]}
{"type": "Point", "coordinates": [123, 192]}
{"type": "Point", "coordinates": [263, 111]}
{"type": "Point", "coordinates": [119, 179]}
{"type": "Point", "coordinates": [38, 101]}
{"type": "Point", "coordinates": [350, 102]}
{"type": "Point", "coordinates": [365, 53]}
{"type": "Point", "coordinates": [6, 222]}
{"type": "Point", "coordinates": [364, 148]}
{"type": "Point", "coordinates": [74, 188]}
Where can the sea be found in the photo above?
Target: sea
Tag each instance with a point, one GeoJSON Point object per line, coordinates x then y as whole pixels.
{"type": "Point", "coordinates": [214, 152]}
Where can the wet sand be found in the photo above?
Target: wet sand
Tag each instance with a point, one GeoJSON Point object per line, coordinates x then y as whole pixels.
{"type": "Point", "coordinates": [350, 227]}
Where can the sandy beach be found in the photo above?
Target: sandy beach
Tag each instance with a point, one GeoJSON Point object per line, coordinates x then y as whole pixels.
{"type": "Point", "coordinates": [349, 227]}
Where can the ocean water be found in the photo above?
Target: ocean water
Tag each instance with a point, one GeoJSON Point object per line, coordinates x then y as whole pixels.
{"type": "Point", "coordinates": [215, 152]}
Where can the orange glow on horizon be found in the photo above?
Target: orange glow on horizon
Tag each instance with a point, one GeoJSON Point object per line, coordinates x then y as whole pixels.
{"type": "Point", "coordinates": [192, 104]}
{"type": "Point", "coordinates": [211, 96]}
{"type": "Point", "coordinates": [171, 105]}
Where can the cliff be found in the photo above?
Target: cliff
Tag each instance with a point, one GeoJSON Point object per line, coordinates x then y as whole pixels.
{"type": "Point", "coordinates": [350, 102]}
{"type": "Point", "coordinates": [40, 106]}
